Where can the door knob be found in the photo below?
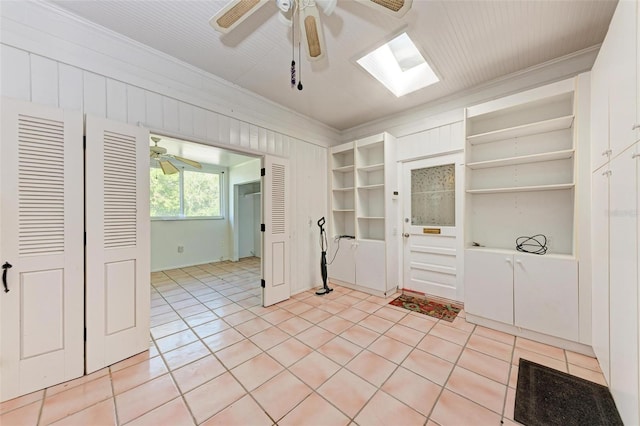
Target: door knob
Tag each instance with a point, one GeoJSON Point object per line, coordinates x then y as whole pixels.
{"type": "Point", "coordinates": [406, 235]}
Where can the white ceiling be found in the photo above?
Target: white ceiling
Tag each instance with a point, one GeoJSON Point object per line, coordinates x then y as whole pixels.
{"type": "Point", "coordinates": [202, 153]}
{"type": "Point", "coordinates": [467, 42]}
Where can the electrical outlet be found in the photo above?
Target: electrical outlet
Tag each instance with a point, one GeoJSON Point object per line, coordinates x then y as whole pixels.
{"type": "Point", "coordinates": [180, 249]}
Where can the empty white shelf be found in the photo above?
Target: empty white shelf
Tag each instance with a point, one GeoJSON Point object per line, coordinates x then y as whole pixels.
{"type": "Point", "coordinates": [343, 189]}
{"type": "Point", "coordinates": [344, 169]}
{"type": "Point", "coordinates": [523, 130]}
{"type": "Point", "coordinates": [533, 158]}
{"type": "Point", "coordinates": [371, 217]}
{"type": "Point", "coordinates": [553, 187]}
{"type": "Point", "coordinates": [344, 210]}
{"type": "Point", "coordinates": [380, 185]}
{"type": "Point", "coordinates": [371, 168]}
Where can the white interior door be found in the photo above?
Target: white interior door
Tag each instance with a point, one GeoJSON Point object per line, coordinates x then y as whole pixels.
{"type": "Point", "coordinates": [118, 247]}
{"type": "Point", "coordinates": [431, 226]}
{"type": "Point", "coordinates": [276, 219]}
{"type": "Point", "coordinates": [41, 237]}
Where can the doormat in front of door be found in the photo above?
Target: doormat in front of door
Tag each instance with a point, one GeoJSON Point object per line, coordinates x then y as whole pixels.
{"type": "Point", "coordinates": [447, 312]}
{"type": "Point", "coordinates": [549, 397]}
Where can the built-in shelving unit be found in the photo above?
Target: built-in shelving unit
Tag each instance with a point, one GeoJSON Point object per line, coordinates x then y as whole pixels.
{"type": "Point", "coordinates": [521, 181]}
{"type": "Point", "coordinates": [520, 170]}
{"type": "Point", "coordinates": [363, 179]}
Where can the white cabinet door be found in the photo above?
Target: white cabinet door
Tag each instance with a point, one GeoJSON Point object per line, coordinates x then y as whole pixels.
{"type": "Point", "coordinates": [276, 217]}
{"type": "Point", "coordinates": [42, 308]}
{"type": "Point", "coordinates": [370, 265]}
{"type": "Point", "coordinates": [488, 285]}
{"type": "Point", "coordinates": [546, 295]}
{"type": "Point", "coordinates": [623, 81]}
{"type": "Point", "coordinates": [343, 267]}
{"type": "Point", "coordinates": [600, 80]}
{"type": "Point", "coordinates": [118, 241]}
{"type": "Point", "coordinates": [623, 288]}
{"type": "Point", "coordinates": [600, 267]}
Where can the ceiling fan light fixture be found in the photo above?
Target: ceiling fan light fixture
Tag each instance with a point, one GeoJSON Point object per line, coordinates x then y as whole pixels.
{"type": "Point", "coordinates": [284, 5]}
{"type": "Point", "coordinates": [327, 6]}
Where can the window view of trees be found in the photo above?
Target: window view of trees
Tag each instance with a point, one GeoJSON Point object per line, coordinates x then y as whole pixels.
{"type": "Point", "coordinates": [165, 194]}
{"type": "Point", "coordinates": [200, 194]}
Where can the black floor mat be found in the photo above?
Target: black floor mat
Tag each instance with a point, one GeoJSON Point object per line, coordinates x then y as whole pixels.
{"type": "Point", "coordinates": [545, 396]}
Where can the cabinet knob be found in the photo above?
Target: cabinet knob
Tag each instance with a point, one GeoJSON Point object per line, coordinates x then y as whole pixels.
{"type": "Point", "coordinates": [406, 235]}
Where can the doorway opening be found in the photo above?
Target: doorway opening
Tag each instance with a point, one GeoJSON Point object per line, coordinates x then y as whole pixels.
{"type": "Point", "coordinates": [196, 219]}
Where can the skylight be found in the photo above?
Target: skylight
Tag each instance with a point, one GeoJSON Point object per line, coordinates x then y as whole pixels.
{"type": "Point", "coordinates": [399, 66]}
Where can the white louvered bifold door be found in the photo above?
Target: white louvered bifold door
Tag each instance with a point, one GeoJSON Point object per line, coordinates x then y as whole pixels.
{"type": "Point", "coordinates": [41, 237]}
{"type": "Point", "coordinates": [117, 252]}
{"type": "Point", "coordinates": [276, 218]}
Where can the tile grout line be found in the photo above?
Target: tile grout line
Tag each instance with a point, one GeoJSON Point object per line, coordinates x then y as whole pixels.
{"type": "Point", "coordinates": [113, 396]}
{"type": "Point", "coordinates": [41, 410]}
{"type": "Point", "coordinates": [227, 370]}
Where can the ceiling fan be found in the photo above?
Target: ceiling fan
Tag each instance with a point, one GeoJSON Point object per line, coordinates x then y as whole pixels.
{"type": "Point", "coordinates": [159, 154]}
{"type": "Point", "coordinates": [236, 11]}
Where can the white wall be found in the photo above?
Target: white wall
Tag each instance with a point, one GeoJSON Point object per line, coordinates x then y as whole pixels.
{"type": "Point", "coordinates": [239, 175]}
{"type": "Point", "coordinates": [50, 57]}
{"type": "Point", "coordinates": [203, 240]}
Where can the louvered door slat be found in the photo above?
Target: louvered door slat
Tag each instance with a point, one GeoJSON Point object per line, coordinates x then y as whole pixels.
{"type": "Point", "coordinates": [120, 188]}
{"type": "Point", "coordinates": [278, 199]}
{"type": "Point", "coordinates": [46, 192]}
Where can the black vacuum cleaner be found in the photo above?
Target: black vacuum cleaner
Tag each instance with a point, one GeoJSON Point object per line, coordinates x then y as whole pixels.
{"type": "Point", "coordinates": [323, 259]}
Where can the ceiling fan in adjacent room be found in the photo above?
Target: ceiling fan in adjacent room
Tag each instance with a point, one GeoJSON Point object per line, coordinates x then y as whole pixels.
{"type": "Point", "coordinates": [159, 154]}
{"type": "Point", "coordinates": [306, 11]}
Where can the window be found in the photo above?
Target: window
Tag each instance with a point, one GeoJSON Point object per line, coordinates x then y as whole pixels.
{"type": "Point", "coordinates": [188, 194]}
{"type": "Point", "coordinates": [433, 196]}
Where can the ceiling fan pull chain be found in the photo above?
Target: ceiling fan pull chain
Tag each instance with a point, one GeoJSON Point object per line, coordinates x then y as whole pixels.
{"type": "Point", "coordinates": [300, 61]}
{"type": "Point", "coordinates": [293, 48]}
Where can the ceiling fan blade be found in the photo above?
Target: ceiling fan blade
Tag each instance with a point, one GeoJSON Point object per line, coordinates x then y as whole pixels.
{"type": "Point", "coordinates": [234, 13]}
{"type": "Point", "coordinates": [189, 162]}
{"type": "Point", "coordinates": [168, 168]}
{"type": "Point", "coordinates": [312, 32]}
{"type": "Point", "coordinates": [395, 7]}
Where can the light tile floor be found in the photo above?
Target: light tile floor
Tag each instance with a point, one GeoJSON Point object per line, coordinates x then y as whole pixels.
{"type": "Point", "coordinates": [218, 358]}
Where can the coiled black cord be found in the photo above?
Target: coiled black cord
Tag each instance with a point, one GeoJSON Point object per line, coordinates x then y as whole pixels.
{"type": "Point", "coordinates": [532, 244]}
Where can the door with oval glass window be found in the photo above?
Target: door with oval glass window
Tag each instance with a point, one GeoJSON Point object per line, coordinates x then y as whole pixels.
{"type": "Point", "coordinates": [432, 226]}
